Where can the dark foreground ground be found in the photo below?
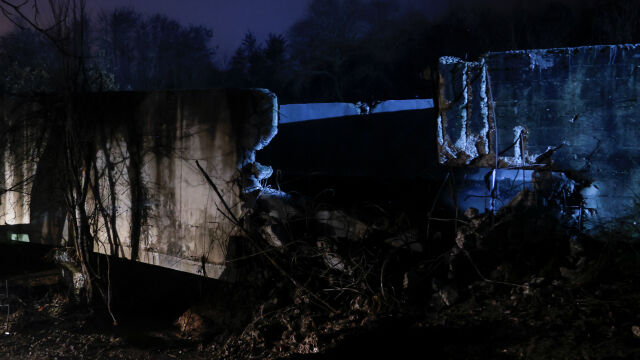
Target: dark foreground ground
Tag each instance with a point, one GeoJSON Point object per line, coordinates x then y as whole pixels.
{"type": "Point", "coordinates": [520, 284]}
{"type": "Point", "coordinates": [590, 314]}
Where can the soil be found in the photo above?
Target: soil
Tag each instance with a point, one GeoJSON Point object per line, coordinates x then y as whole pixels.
{"type": "Point", "coordinates": [518, 285]}
{"type": "Point", "coordinates": [592, 313]}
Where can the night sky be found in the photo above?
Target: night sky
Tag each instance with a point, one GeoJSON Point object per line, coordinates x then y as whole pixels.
{"type": "Point", "coordinates": [229, 19]}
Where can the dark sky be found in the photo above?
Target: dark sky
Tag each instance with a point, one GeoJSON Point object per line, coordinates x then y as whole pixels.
{"type": "Point", "coordinates": [229, 19]}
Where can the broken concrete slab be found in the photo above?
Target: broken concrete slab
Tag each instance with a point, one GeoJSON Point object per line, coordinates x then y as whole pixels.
{"type": "Point", "coordinates": [146, 145]}
{"type": "Point", "coordinates": [305, 112]}
{"type": "Point", "coordinates": [340, 225]}
{"type": "Point", "coordinates": [402, 105]}
{"type": "Point", "coordinates": [570, 110]}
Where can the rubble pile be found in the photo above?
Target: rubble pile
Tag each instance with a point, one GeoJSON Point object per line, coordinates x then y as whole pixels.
{"type": "Point", "coordinates": [360, 266]}
{"type": "Point", "coordinates": [316, 278]}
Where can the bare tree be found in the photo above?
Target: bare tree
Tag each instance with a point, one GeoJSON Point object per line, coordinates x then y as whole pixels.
{"type": "Point", "coordinates": [67, 29]}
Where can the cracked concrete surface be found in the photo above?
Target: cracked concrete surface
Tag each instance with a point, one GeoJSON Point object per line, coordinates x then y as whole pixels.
{"type": "Point", "coordinates": [572, 110]}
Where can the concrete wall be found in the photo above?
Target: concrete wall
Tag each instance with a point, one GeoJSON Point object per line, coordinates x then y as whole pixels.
{"type": "Point", "coordinates": [22, 144]}
{"type": "Point", "coordinates": [146, 145]}
{"type": "Point", "coordinates": [574, 109]}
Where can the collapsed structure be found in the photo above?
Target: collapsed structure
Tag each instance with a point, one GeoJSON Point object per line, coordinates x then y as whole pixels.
{"type": "Point", "coordinates": [572, 110]}
{"type": "Point", "coordinates": [564, 116]}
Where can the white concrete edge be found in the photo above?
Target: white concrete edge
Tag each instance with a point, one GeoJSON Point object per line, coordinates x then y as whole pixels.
{"type": "Point", "coordinates": [292, 113]}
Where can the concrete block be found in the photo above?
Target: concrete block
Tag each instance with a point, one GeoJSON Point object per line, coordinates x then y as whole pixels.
{"type": "Point", "coordinates": [585, 99]}
{"type": "Point", "coordinates": [146, 145]}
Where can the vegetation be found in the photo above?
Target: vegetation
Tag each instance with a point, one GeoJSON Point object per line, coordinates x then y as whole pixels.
{"type": "Point", "coordinates": [341, 51]}
{"type": "Point", "coordinates": [319, 286]}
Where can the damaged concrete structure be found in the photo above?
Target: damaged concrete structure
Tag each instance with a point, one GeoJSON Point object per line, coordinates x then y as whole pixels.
{"type": "Point", "coordinates": [571, 110]}
{"type": "Point", "coordinates": [146, 144]}
{"type": "Point", "coordinates": [500, 122]}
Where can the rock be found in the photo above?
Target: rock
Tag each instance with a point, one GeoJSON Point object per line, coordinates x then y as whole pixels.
{"type": "Point", "coordinates": [255, 173]}
{"type": "Point", "coordinates": [190, 324]}
{"type": "Point", "coordinates": [71, 273]}
{"type": "Point", "coordinates": [576, 249]}
{"type": "Point", "coordinates": [342, 225]}
{"type": "Point", "coordinates": [408, 240]}
{"type": "Point", "coordinates": [446, 296]}
{"type": "Point", "coordinates": [278, 204]}
{"type": "Point", "coordinates": [267, 233]}
{"type": "Point", "coordinates": [331, 259]}
{"type": "Point", "coordinates": [471, 213]}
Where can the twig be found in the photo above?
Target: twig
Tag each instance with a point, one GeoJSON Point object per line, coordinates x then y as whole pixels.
{"type": "Point", "coordinates": [485, 279]}
{"type": "Point", "coordinates": [384, 264]}
{"type": "Point", "coordinates": [250, 237]}
{"type": "Point", "coordinates": [215, 188]}
{"type": "Point", "coordinates": [435, 201]}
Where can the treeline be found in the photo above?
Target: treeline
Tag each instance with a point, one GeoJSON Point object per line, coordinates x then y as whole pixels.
{"type": "Point", "coordinates": [343, 50]}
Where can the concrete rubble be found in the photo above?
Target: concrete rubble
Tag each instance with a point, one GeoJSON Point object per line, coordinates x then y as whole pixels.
{"type": "Point", "coordinates": [341, 225]}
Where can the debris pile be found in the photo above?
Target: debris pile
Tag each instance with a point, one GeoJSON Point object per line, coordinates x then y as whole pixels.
{"type": "Point", "coordinates": [316, 277]}
{"type": "Point", "coordinates": [367, 263]}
